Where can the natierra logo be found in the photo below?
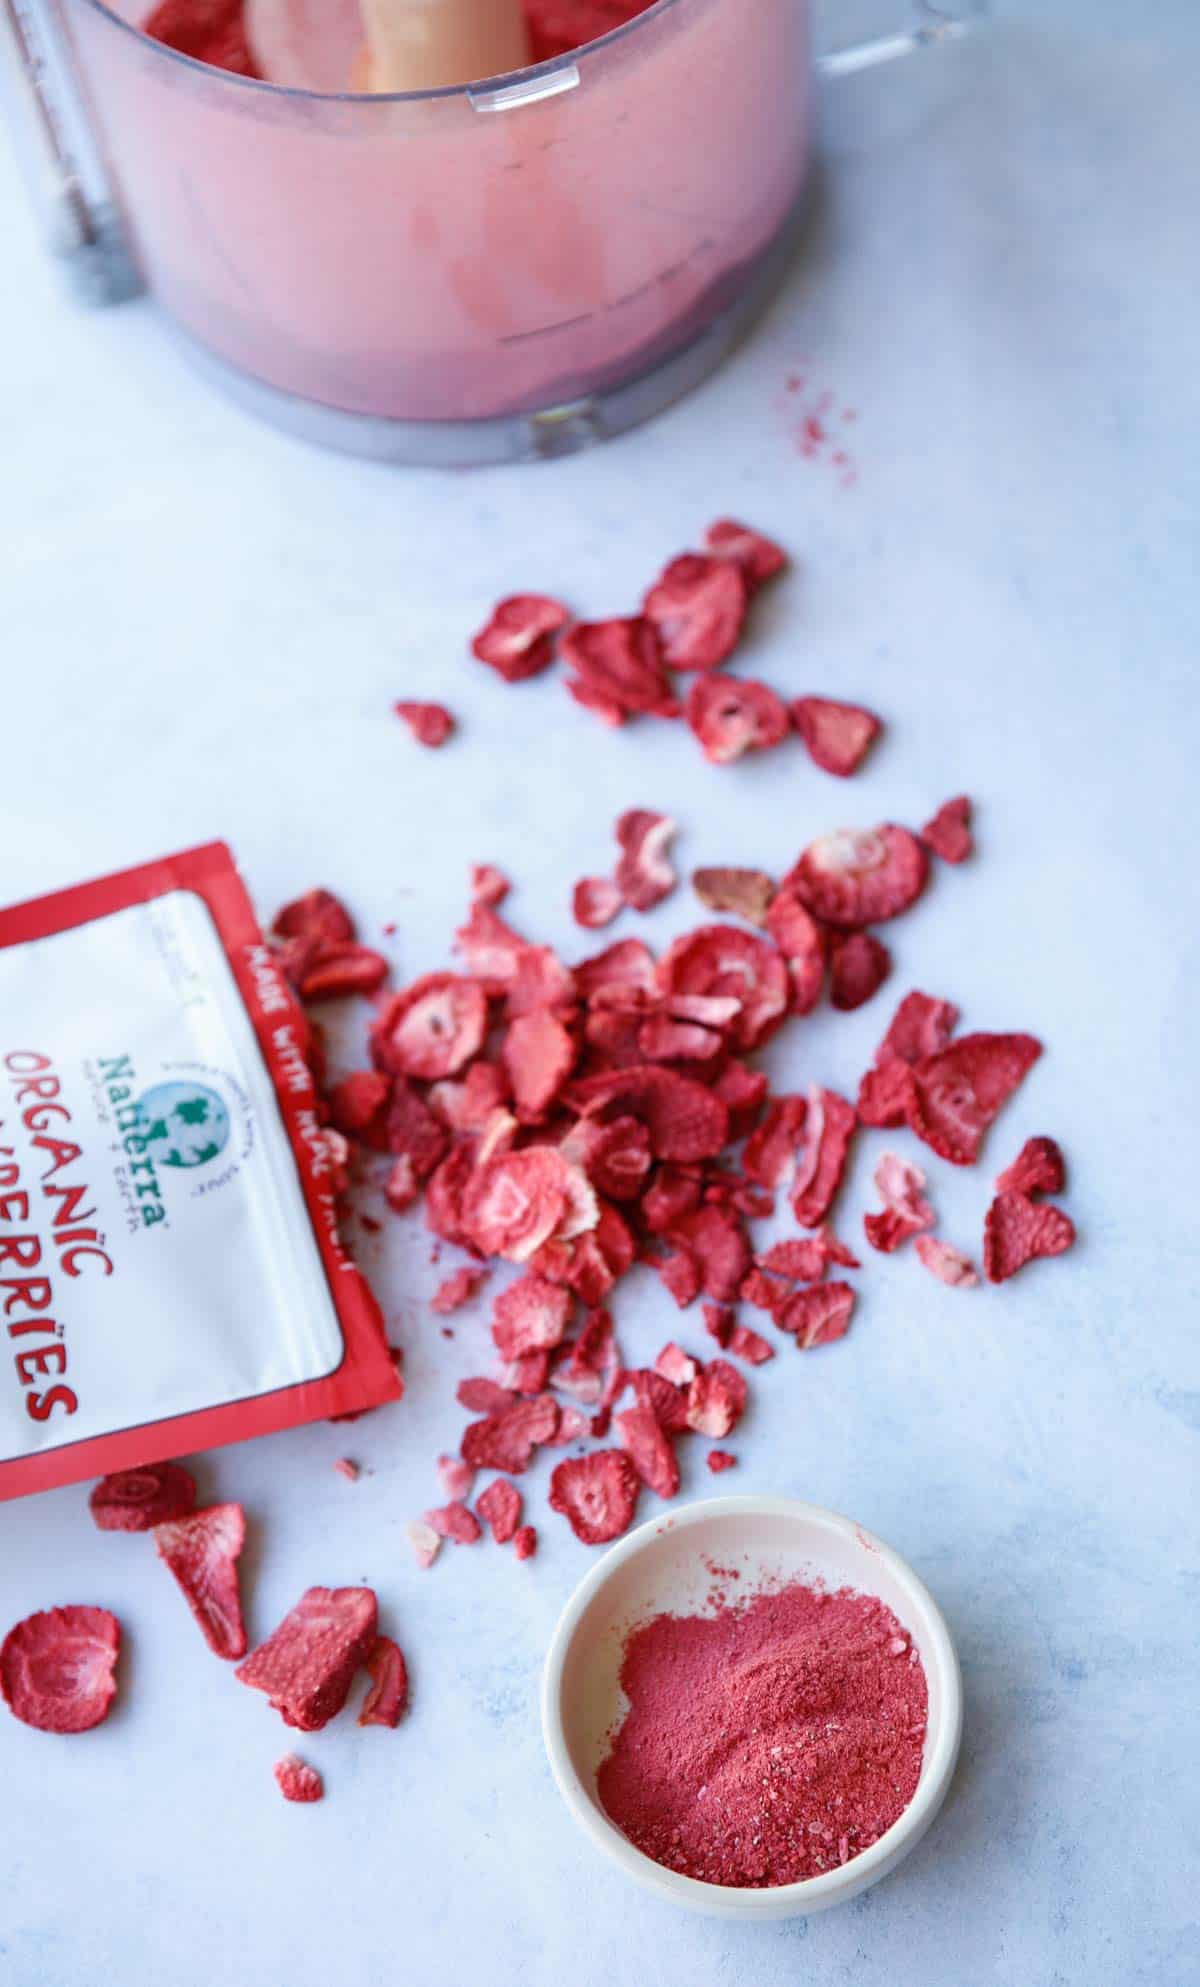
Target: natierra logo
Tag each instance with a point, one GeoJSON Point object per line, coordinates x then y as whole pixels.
{"type": "Point", "coordinates": [182, 1124]}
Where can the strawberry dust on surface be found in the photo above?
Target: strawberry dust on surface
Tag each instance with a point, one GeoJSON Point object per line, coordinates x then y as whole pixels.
{"type": "Point", "coordinates": [772, 1740]}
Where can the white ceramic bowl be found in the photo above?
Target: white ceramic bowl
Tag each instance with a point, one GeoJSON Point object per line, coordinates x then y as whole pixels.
{"type": "Point", "coordinates": [661, 1568]}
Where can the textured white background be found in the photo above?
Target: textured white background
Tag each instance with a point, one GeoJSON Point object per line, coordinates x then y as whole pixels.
{"type": "Point", "coordinates": [203, 627]}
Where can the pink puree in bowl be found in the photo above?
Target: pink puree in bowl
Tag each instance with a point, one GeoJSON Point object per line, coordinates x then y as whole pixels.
{"type": "Point", "coordinates": [420, 259]}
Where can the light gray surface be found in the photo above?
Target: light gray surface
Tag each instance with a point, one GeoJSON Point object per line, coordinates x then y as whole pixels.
{"type": "Point", "coordinates": [203, 628]}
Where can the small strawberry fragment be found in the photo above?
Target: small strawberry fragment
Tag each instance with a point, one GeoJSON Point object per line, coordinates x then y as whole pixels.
{"type": "Point", "coordinates": [455, 1521]}
{"type": "Point", "coordinates": [490, 949]}
{"type": "Point", "coordinates": [538, 1054]}
{"type": "Point", "coordinates": [456, 1290]}
{"type": "Point", "coordinates": [201, 1551]}
{"type": "Point", "coordinates": [947, 1263]}
{"type": "Point", "coordinates": [716, 1399]}
{"type": "Point", "coordinates": [628, 964]}
{"type": "Point", "coordinates": [430, 724]}
{"type": "Point", "coordinates": [957, 1093]}
{"type": "Point", "coordinates": [680, 1274]}
{"type": "Point", "coordinates": [828, 1129]}
{"type": "Point", "coordinates": [667, 1403]}
{"type": "Point", "coordinates": [481, 1396]}
{"type": "Point", "coordinates": [721, 962]}
{"type": "Point", "coordinates": [803, 944]}
{"type": "Point", "coordinates": [137, 1500]}
{"type": "Point", "coordinates": [348, 1469]}
{"type": "Point", "coordinates": [859, 963]}
{"type": "Point", "coordinates": [906, 1211]}
{"type": "Point", "coordinates": [766, 1293]}
{"type": "Point", "coordinates": [595, 902]}
{"type": "Point", "coordinates": [58, 1668]}
{"type": "Point", "coordinates": [675, 1365]}
{"type": "Point", "coordinates": [644, 874]}
{"type": "Point", "coordinates": [507, 1437]}
{"type": "Point", "coordinates": [920, 1027]}
{"type": "Point", "coordinates": [686, 1122]}
{"type": "Point", "coordinates": [306, 1667]}
{"type": "Point", "coordinates": [770, 1154]}
{"type": "Point", "coordinates": [1019, 1231]}
{"type": "Point", "coordinates": [650, 1448]}
{"type": "Point", "coordinates": [518, 641]}
{"type": "Point", "coordinates": [525, 1540]}
{"type": "Point", "coordinates": [319, 917]}
{"type": "Point", "coordinates": [597, 1494]}
{"type": "Point", "coordinates": [818, 1315]}
{"type": "Point", "coordinates": [860, 877]}
{"type": "Point", "coordinates": [739, 893]}
{"type": "Point", "coordinates": [715, 1237]}
{"type": "Point", "coordinates": [532, 1315]}
{"type": "Point", "coordinates": [758, 558]}
{"type": "Point", "coordinates": [500, 1507]}
{"type": "Point", "coordinates": [424, 1541]}
{"type": "Point", "coordinates": [750, 1346]}
{"type": "Point", "coordinates": [837, 737]}
{"type": "Point", "coordinates": [807, 1261]}
{"type": "Point", "coordinates": [719, 1460]}
{"type": "Point", "coordinates": [343, 970]}
{"type": "Point", "coordinates": [530, 1374]}
{"type": "Point", "coordinates": [949, 832]}
{"type": "Point", "coordinates": [884, 1095]}
{"type": "Point", "coordinates": [358, 1106]}
{"type": "Point", "coordinates": [1038, 1168]}
{"type": "Point", "coordinates": [455, 1477]}
{"type": "Point", "coordinates": [744, 1092]}
{"type": "Point", "coordinates": [387, 1700]}
{"type": "Point", "coordinates": [733, 715]}
{"type": "Point", "coordinates": [698, 606]}
{"type": "Point", "coordinates": [297, 1781]}
{"type": "Point", "coordinates": [467, 1106]}
{"type": "Point", "coordinates": [719, 1321]}
{"type": "Point", "coordinates": [618, 669]}
{"type": "Point", "coordinates": [489, 885]}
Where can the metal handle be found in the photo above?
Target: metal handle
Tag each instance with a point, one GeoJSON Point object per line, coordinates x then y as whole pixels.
{"type": "Point", "coordinates": [929, 27]}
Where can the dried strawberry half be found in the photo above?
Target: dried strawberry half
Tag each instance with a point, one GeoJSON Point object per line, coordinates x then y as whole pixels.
{"type": "Point", "coordinates": [859, 963]}
{"type": "Point", "coordinates": [957, 1093]}
{"type": "Point", "coordinates": [947, 1263]}
{"type": "Point", "coordinates": [721, 961]}
{"type": "Point", "coordinates": [716, 1400]}
{"type": "Point", "coordinates": [518, 641]}
{"type": "Point", "coordinates": [758, 557]}
{"type": "Point", "coordinates": [530, 1316]}
{"type": "Point", "coordinates": [686, 1122]}
{"type": "Point", "coordinates": [431, 1028]}
{"type": "Point", "coordinates": [803, 943]}
{"type": "Point", "coordinates": [818, 1315]}
{"type": "Point", "coordinates": [732, 715]}
{"type": "Point", "coordinates": [860, 877]}
{"type": "Point", "coordinates": [618, 669]}
{"type": "Point", "coordinates": [307, 1666]}
{"type": "Point", "coordinates": [137, 1500]}
{"type": "Point", "coordinates": [596, 901]}
{"type": "Point", "coordinates": [297, 1781]}
{"type": "Point", "coordinates": [644, 873]}
{"type": "Point", "coordinates": [387, 1699]}
{"type": "Point", "coordinates": [500, 1507]}
{"type": "Point", "coordinates": [202, 1552]}
{"type": "Point", "coordinates": [698, 606]}
{"type": "Point", "coordinates": [539, 1054]}
{"type": "Point", "coordinates": [507, 1437]}
{"type": "Point", "coordinates": [1019, 1231]}
{"type": "Point", "coordinates": [739, 893]}
{"type": "Point", "coordinates": [1037, 1169]}
{"type": "Point", "coordinates": [837, 737]}
{"type": "Point", "coordinates": [597, 1494]}
{"type": "Point", "coordinates": [58, 1668]}
{"type": "Point", "coordinates": [949, 832]}
{"type": "Point", "coordinates": [828, 1129]}
{"type": "Point", "coordinates": [650, 1448]}
{"type": "Point", "coordinates": [430, 724]}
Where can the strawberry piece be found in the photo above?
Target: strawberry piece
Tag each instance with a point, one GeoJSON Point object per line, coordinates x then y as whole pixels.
{"type": "Point", "coordinates": [837, 737]}
{"type": "Point", "coordinates": [766, 1293]}
{"type": "Point", "coordinates": [518, 641]}
{"type": "Point", "coordinates": [348, 1469]}
{"type": "Point", "coordinates": [859, 963]}
{"type": "Point", "coordinates": [807, 1261]}
{"type": "Point", "coordinates": [424, 1541]}
{"type": "Point", "coordinates": [590, 1264]}
{"type": "Point", "coordinates": [948, 1264]}
{"type": "Point", "coordinates": [949, 832]}
{"type": "Point", "coordinates": [500, 1507]}
{"type": "Point", "coordinates": [530, 1374]}
{"type": "Point", "coordinates": [525, 1542]}
{"type": "Point", "coordinates": [719, 961]}
{"type": "Point", "coordinates": [901, 1187]}
{"type": "Point", "coordinates": [920, 1027]}
{"type": "Point", "coordinates": [430, 724]}
{"type": "Point", "coordinates": [667, 1402]}
{"type": "Point", "coordinates": [412, 1132]}
{"type": "Point", "coordinates": [759, 559]}
{"type": "Point", "coordinates": [680, 1274]}
{"type": "Point", "coordinates": [481, 1396]}
{"type": "Point", "coordinates": [343, 970]}
{"type": "Point", "coordinates": [538, 1055]}
{"type": "Point", "coordinates": [532, 1315]}
{"type": "Point", "coordinates": [596, 1494]}
{"type": "Point", "coordinates": [431, 1028]}
{"type": "Point", "coordinates": [208, 30]}
{"type": "Point", "coordinates": [58, 1668]}
{"type": "Point", "coordinates": [744, 1092]}
{"type": "Point", "coordinates": [675, 1365]}
{"type": "Point", "coordinates": [616, 1157]}
{"type": "Point", "coordinates": [717, 1240]}
{"type": "Point", "coordinates": [673, 1193]}
{"type": "Point", "coordinates": [739, 893]}
{"type": "Point", "coordinates": [1037, 1169]}
{"type": "Point", "coordinates": [860, 877]}
{"type": "Point", "coordinates": [770, 1154]}
{"type": "Point", "coordinates": [201, 1551]}
{"type": "Point", "coordinates": [489, 885]}
{"type": "Point", "coordinates": [1019, 1231]}
{"type": "Point", "coordinates": [618, 669]}
{"type": "Point", "coordinates": [884, 1095]}
{"type": "Point", "coordinates": [716, 1399]}
{"type": "Point", "coordinates": [297, 1781]}
{"type": "Point", "coordinates": [828, 1129]}
{"type": "Point", "coordinates": [455, 1477]}
{"type": "Point", "coordinates": [306, 1667]}
{"type": "Point", "coordinates": [319, 917]}
{"type": "Point", "coordinates": [627, 964]}
{"type": "Point", "coordinates": [644, 874]}
{"type": "Point", "coordinates": [685, 1121]}
{"type": "Point", "coordinates": [519, 1200]}
{"type": "Point", "coordinates": [541, 980]}
{"type": "Point", "coordinates": [358, 1106]}
{"type": "Point", "coordinates": [595, 902]}
{"type": "Point", "coordinates": [455, 1521]}
{"type": "Point", "coordinates": [818, 1315]}
{"type": "Point", "coordinates": [590, 1367]}
{"type": "Point", "coordinates": [467, 1106]}
{"type": "Point", "coordinates": [660, 1039]}
{"type": "Point", "coordinates": [719, 1322]}
{"type": "Point", "coordinates": [733, 715]}
{"type": "Point", "coordinates": [698, 606]}
{"type": "Point", "coordinates": [719, 1460]}
{"type": "Point", "coordinates": [137, 1500]}
{"type": "Point", "coordinates": [507, 1437]}
{"type": "Point", "coordinates": [491, 950]}
{"type": "Point", "coordinates": [387, 1700]}
{"type": "Point", "coordinates": [650, 1450]}
{"type": "Point", "coordinates": [750, 1346]}
{"type": "Point", "coordinates": [957, 1093]}
{"type": "Point", "coordinates": [456, 1290]}
{"type": "Point", "coordinates": [803, 944]}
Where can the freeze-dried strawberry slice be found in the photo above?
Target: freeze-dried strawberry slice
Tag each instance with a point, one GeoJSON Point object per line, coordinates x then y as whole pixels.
{"type": "Point", "coordinates": [490, 949]}
{"type": "Point", "coordinates": [137, 1500]}
{"type": "Point", "coordinates": [307, 1666]}
{"type": "Point", "coordinates": [732, 715]}
{"type": "Point", "coordinates": [482, 1396]}
{"type": "Point", "coordinates": [803, 944]}
{"type": "Point", "coordinates": [590, 1264]}
{"type": "Point", "coordinates": [319, 916]}
{"type": "Point", "coordinates": [412, 1132]}
{"type": "Point", "coordinates": [828, 1129]}
{"type": "Point", "coordinates": [860, 877]}
{"type": "Point", "coordinates": [667, 1402]}
{"type": "Point", "coordinates": [506, 1438]}
{"type": "Point", "coordinates": [719, 1322]}
{"type": "Point", "coordinates": [530, 1316]}
{"type": "Point", "coordinates": [616, 1157]}
{"type": "Point", "coordinates": [573, 1426]}
{"type": "Point", "coordinates": [883, 1095]}
{"type": "Point", "coordinates": [744, 1092]}
{"type": "Point", "coordinates": [906, 1211]}
{"type": "Point", "coordinates": [650, 1448]}
{"type": "Point", "coordinates": [387, 1700]}
{"type": "Point", "coordinates": [676, 1365]}
{"type": "Point", "coordinates": [947, 1263]}
{"type": "Point", "coordinates": [750, 1346]}
{"type": "Point", "coordinates": [673, 1193]}
{"type": "Point", "coordinates": [717, 1240]}
{"type": "Point", "coordinates": [202, 1551]}
{"type": "Point", "coordinates": [716, 1399]}
{"type": "Point", "coordinates": [297, 1781]}
{"type": "Point", "coordinates": [719, 1460]}
{"type": "Point", "coordinates": [455, 1521]}
{"type": "Point", "coordinates": [807, 1261]}
{"type": "Point", "coordinates": [1037, 1169]}
{"type": "Point", "coordinates": [590, 1367]}
{"type": "Point", "coordinates": [467, 1105]}
{"type": "Point", "coordinates": [342, 970]}
{"type": "Point", "coordinates": [957, 1093]}
{"type": "Point", "coordinates": [58, 1668]}
{"type": "Point", "coordinates": [525, 1542]}
{"type": "Point", "coordinates": [920, 1027]}
{"type": "Point", "coordinates": [431, 1028]}
{"type": "Point", "coordinates": [500, 1507]}
{"type": "Point", "coordinates": [1018, 1231]}
{"type": "Point", "coordinates": [424, 1541]}
{"type": "Point", "coordinates": [455, 1477]}
{"type": "Point", "coordinates": [949, 832]}
{"type": "Point", "coordinates": [698, 606]}
{"type": "Point", "coordinates": [456, 1290]}
{"type": "Point", "coordinates": [770, 1154]}
{"type": "Point", "coordinates": [644, 874]}
{"type": "Point", "coordinates": [539, 1055]}
{"type": "Point", "coordinates": [618, 669]}
{"type": "Point", "coordinates": [766, 1293]}
{"type": "Point", "coordinates": [818, 1315]}
{"type": "Point", "coordinates": [759, 558]}
{"type": "Point", "coordinates": [859, 963]}
{"type": "Point", "coordinates": [358, 1106]}
{"type": "Point", "coordinates": [680, 1274]}
{"type": "Point", "coordinates": [685, 1121]}
{"type": "Point", "coordinates": [597, 1494]}
{"type": "Point", "coordinates": [628, 964]}
{"type": "Point", "coordinates": [518, 641]}
{"type": "Point", "coordinates": [430, 724]}
{"type": "Point", "coordinates": [721, 961]}
{"type": "Point", "coordinates": [739, 893]}
{"type": "Point", "coordinates": [529, 1374]}
{"type": "Point", "coordinates": [541, 980]}
{"type": "Point", "coordinates": [837, 737]}
{"type": "Point", "coordinates": [517, 1201]}
{"type": "Point", "coordinates": [595, 902]}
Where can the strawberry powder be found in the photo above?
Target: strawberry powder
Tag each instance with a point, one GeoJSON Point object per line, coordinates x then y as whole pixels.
{"type": "Point", "coordinates": [772, 1740]}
